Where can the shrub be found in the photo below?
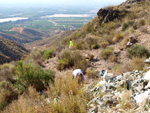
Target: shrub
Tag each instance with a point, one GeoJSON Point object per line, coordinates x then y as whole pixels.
{"type": "Point", "coordinates": [137, 51]}
{"type": "Point", "coordinates": [62, 64]}
{"type": "Point", "coordinates": [81, 64]}
{"type": "Point", "coordinates": [49, 53]}
{"type": "Point", "coordinates": [28, 75]}
{"type": "Point", "coordinates": [80, 45]}
{"type": "Point", "coordinates": [59, 48]}
{"type": "Point", "coordinates": [118, 37]}
{"type": "Point", "coordinates": [26, 103]}
{"type": "Point", "coordinates": [68, 59]}
{"type": "Point", "coordinates": [7, 94]}
{"type": "Point", "coordinates": [7, 72]}
{"type": "Point", "coordinates": [36, 54]}
{"type": "Point", "coordinates": [125, 26]}
{"type": "Point", "coordinates": [66, 54]}
{"type": "Point", "coordinates": [90, 57]}
{"type": "Point", "coordinates": [124, 41]}
{"type": "Point", "coordinates": [106, 53]}
{"type": "Point", "coordinates": [92, 74]}
{"type": "Point", "coordinates": [142, 22]}
{"type": "Point", "coordinates": [138, 63]}
{"type": "Point", "coordinates": [71, 96]}
{"type": "Point", "coordinates": [144, 29]}
{"type": "Point", "coordinates": [113, 58]}
{"type": "Point", "coordinates": [95, 46]}
{"type": "Point", "coordinates": [104, 44]}
{"type": "Point", "coordinates": [91, 41]}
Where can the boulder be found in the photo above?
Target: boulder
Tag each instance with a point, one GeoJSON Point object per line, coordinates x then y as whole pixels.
{"type": "Point", "coordinates": [147, 76]}
{"type": "Point", "coordinates": [147, 60]}
{"type": "Point", "coordinates": [109, 14]}
{"type": "Point", "coordinates": [142, 98]}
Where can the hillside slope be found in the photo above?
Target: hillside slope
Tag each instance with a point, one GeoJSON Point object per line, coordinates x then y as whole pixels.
{"type": "Point", "coordinates": [24, 35]}
{"type": "Point", "coordinates": [10, 50]}
{"type": "Point", "coordinates": [111, 29]}
{"type": "Point", "coordinates": [47, 42]}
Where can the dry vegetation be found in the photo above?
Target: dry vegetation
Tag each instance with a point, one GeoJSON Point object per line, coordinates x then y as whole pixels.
{"type": "Point", "coordinates": [63, 94]}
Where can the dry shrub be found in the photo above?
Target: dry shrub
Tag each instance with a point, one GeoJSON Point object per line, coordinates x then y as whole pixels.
{"type": "Point", "coordinates": [65, 60]}
{"type": "Point", "coordinates": [124, 41]}
{"type": "Point", "coordinates": [109, 39]}
{"type": "Point", "coordinates": [92, 74]}
{"type": "Point", "coordinates": [80, 45]}
{"type": "Point", "coordinates": [90, 57]}
{"type": "Point", "coordinates": [113, 58]}
{"type": "Point", "coordinates": [63, 64]}
{"type": "Point", "coordinates": [104, 44]}
{"type": "Point", "coordinates": [106, 53]}
{"type": "Point", "coordinates": [7, 94]}
{"type": "Point", "coordinates": [26, 103]}
{"type": "Point", "coordinates": [142, 22]}
{"type": "Point", "coordinates": [126, 103]}
{"type": "Point", "coordinates": [144, 29]}
{"type": "Point", "coordinates": [117, 37]}
{"type": "Point", "coordinates": [71, 97]}
{"type": "Point", "coordinates": [137, 63]}
{"type": "Point", "coordinates": [71, 59]}
{"type": "Point", "coordinates": [59, 48]}
{"type": "Point", "coordinates": [37, 57]}
{"type": "Point", "coordinates": [7, 72]}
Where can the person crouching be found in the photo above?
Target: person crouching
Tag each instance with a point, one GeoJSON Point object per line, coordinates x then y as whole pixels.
{"type": "Point", "coordinates": [78, 74]}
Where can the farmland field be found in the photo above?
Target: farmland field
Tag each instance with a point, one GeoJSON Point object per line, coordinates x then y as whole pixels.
{"type": "Point", "coordinates": [48, 20]}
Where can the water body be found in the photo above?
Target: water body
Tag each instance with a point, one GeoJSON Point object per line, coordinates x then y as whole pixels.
{"type": "Point", "coordinates": [12, 19]}
{"type": "Point", "coordinates": [67, 15]}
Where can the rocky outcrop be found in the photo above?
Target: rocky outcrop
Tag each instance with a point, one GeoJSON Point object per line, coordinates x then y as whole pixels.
{"type": "Point", "coordinates": [130, 2]}
{"type": "Point", "coordinates": [108, 14]}
{"type": "Point", "coordinates": [132, 85]}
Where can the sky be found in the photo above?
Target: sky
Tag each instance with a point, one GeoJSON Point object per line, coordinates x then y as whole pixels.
{"type": "Point", "coordinates": [64, 2]}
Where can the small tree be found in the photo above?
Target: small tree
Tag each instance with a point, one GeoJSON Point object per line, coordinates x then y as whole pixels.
{"type": "Point", "coordinates": [28, 75]}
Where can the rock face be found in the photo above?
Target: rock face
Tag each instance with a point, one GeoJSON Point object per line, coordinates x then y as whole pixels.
{"type": "Point", "coordinates": [130, 86]}
{"type": "Point", "coordinates": [108, 14]}
{"type": "Point", "coordinates": [133, 1]}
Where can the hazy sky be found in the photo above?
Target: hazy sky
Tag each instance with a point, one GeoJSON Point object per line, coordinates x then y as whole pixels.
{"type": "Point", "coordinates": [64, 2]}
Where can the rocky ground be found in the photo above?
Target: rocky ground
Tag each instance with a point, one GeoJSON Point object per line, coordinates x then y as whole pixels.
{"type": "Point", "coordinates": [132, 88]}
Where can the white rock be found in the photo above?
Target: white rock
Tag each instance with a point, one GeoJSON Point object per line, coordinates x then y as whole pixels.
{"type": "Point", "coordinates": [147, 60]}
{"type": "Point", "coordinates": [141, 98]}
{"type": "Point", "coordinates": [147, 75]}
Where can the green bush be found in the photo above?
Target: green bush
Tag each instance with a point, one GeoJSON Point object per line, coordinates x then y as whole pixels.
{"type": "Point", "coordinates": [125, 26]}
{"type": "Point", "coordinates": [137, 51]}
{"type": "Point", "coordinates": [142, 22]}
{"type": "Point", "coordinates": [49, 53]}
{"type": "Point", "coordinates": [68, 60]}
{"type": "Point", "coordinates": [66, 54]}
{"type": "Point", "coordinates": [91, 41]}
{"type": "Point", "coordinates": [106, 53]}
{"type": "Point", "coordinates": [62, 64]}
{"type": "Point", "coordinates": [95, 46]}
{"type": "Point", "coordinates": [29, 75]}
